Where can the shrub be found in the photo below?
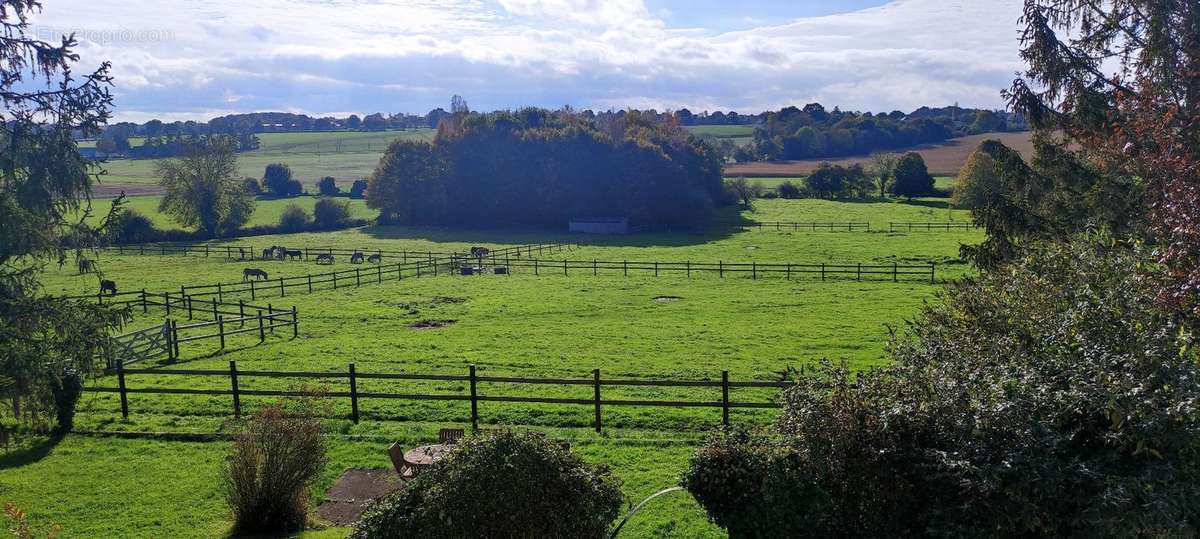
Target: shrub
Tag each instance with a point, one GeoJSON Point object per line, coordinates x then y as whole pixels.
{"type": "Point", "coordinates": [66, 390]}
{"type": "Point", "coordinates": [274, 459]}
{"type": "Point", "coordinates": [789, 190]}
{"type": "Point", "coordinates": [911, 178]}
{"type": "Point", "coordinates": [294, 188]}
{"type": "Point", "coordinates": [358, 189]}
{"type": "Point", "coordinates": [277, 179]}
{"type": "Point", "coordinates": [294, 219]}
{"type": "Point", "coordinates": [502, 484]}
{"type": "Point", "coordinates": [252, 186]}
{"type": "Point", "coordinates": [133, 227]}
{"type": "Point", "coordinates": [327, 186]}
{"type": "Point", "coordinates": [1050, 399]}
{"type": "Point", "coordinates": [330, 213]}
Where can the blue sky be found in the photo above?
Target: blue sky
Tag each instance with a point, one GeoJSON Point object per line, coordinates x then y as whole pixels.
{"type": "Point", "coordinates": [183, 59]}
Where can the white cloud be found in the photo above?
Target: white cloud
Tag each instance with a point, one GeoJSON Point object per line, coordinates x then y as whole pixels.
{"type": "Point", "coordinates": [185, 57]}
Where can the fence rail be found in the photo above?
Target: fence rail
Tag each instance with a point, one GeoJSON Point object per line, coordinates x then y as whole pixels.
{"type": "Point", "coordinates": [474, 397]}
{"type": "Point", "coordinates": [799, 226]}
{"type": "Point", "coordinates": [165, 338]}
{"type": "Point", "coordinates": [250, 252]}
{"type": "Point", "coordinates": [929, 227]}
{"type": "Point", "coordinates": [892, 272]}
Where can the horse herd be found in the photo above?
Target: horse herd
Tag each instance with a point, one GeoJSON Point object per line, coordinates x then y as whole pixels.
{"type": "Point", "coordinates": [276, 252]}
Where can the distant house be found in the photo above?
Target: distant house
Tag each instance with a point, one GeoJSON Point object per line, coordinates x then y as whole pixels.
{"type": "Point", "coordinates": [592, 225]}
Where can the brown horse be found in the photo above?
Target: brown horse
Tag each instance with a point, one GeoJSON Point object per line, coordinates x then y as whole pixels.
{"type": "Point", "coordinates": [325, 259]}
{"type": "Point", "coordinates": [255, 273]}
{"type": "Point", "coordinates": [374, 259]}
{"type": "Point", "coordinates": [108, 286]}
{"type": "Point", "coordinates": [356, 258]}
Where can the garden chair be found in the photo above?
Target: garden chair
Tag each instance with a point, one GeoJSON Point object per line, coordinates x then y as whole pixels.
{"type": "Point", "coordinates": [403, 467]}
{"type": "Point", "coordinates": [450, 436]}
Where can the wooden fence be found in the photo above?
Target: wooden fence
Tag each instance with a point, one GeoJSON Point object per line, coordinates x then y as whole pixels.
{"type": "Point", "coordinates": [929, 227]}
{"type": "Point", "coordinates": [754, 270]}
{"type": "Point", "coordinates": [250, 252]}
{"type": "Point", "coordinates": [474, 382]}
{"type": "Point", "coordinates": [799, 226]}
{"type": "Point", "coordinates": [228, 319]}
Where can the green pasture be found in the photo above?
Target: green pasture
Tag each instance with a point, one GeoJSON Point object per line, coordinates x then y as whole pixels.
{"type": "Point", "coordinates": [266, 210]}
{"type": "Point", "coordinates": [548, 325]}
{"type": "Point", "coordinates": [741, 135]}
{"type": "Point", "coordinates": [345, 155]}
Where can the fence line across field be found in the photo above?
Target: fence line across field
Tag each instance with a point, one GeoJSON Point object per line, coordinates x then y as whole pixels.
{"type": "Point", "coordinates": [164, 339]}
{"type": "Point", "coordinates": [798, 226]}
{"type": "Point", "coordinates": [250, 252]}
{"type": "Point", "coordinates": [597, 402]}
{"type": "Point", "coordinates": [929, 227]}
{"type": "Point", "coordinates": [893, 272]}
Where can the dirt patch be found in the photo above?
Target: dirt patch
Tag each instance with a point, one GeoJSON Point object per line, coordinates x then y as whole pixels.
{"type": "Point", "coordinates": [354, 491]}
{"type": "Point", "coordinates": [446, 300]}
{"type": "Point", "coordinates": [665, 299]}
{"type": "Point", "coordinates": [431, 324]}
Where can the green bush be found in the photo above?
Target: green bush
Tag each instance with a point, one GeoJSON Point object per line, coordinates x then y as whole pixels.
{"type": "Point", "coordinates": [294, 219]}
{"type": "Point", "coordinates": [329, 213]}
{"type": "Point", "coordinates": [133, 227]}
{"type": "Point", "coordinates": [358, 189]}
{"type": "Point", "coordinates": [911, 178]}
{"type": "Point", "coordinates": [789, 190]}
{"type": "Point", "coordinates": [327, 187]}
{"type": "Point", "coordinates": [274, 459]}
{"type": "Point", "coordinates": [503, 484]}
{"type": "Point", "coordinates": [252, 186]}
{"type": "Point", "coordinates": [1054, 398]}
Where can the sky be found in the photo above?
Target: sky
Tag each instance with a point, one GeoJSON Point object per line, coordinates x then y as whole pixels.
{"type": "Point", "coordinates": [192, 60]}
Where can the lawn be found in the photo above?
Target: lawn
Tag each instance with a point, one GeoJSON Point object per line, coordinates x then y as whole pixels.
{"type": "Point", "coordinates": [546, 325]}
{"type": "Point", "coordinates": [266, 210]}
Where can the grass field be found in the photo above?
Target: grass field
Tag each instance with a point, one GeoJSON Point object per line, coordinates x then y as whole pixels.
{"type": "Point", "coordinates": [942, 159]}
{"type": "Point", "coordinates": [345, 155]}
{"type": "Point", "coordinates": [266, 211]}
{"type": "Point", "coordinates": [549, 325]}
{"type": "Point", "coordinates": [741, 135]}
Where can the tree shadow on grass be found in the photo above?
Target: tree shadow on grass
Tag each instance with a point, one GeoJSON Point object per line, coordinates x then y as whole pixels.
{"type": "Point", "coordinates": [728, 217]}
{"type": "Point", "coordinates": [40, 448]}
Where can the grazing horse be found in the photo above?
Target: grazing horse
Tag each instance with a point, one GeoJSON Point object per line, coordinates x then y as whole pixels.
{"type": "Point", "coordinates": [108, 286]}
{"type": "Point", "coordinates": [325, 259]}
{"type": "Point", "coordinates": [85, 266]}
{"type": "Point", "coordinates": [253, 272]}
{"type": "Point", "coordinates": [374, 259]}
{"type": "Point", "coordinates": [293, 253]}
{"type": "Point", "coordinates": [268, 252]}
{"type": "Point", "coordinates": [356, 258]}
{"type": "Point", "coordinates": [480, 252]}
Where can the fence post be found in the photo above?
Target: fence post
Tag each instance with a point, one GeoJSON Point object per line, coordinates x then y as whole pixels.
{"type": "Point", "coordinates": [895, 272]}
{"type": "Point", "coordinates": [932, 269]}
{"type": "Point", "coordinates": [167, 302]}
{"type": "Point", "coordinates": [860, 271]}
{"type": "Point", "coordinates": [252, 293]}
{"type": "Point", "coordinates": [822, 271]}
{"type": "Point", "coordinates": [725, 398]}
{"type": "Point", "coordinates": [144, 306]}
{"type": "Point", "coordinates": [754, 270]}
{"type": "Point", "coordinates": [721, 269]}
{"type": "Point", "coordinates": [596, 396]}
{"type": "Point", "coordinates": [379, 274]}
{"type": "Point", "coordinates": [175, 338]}
{"type": "Point", "coordinates": [242, 312]}
{"type": "Point", "coordinates": [121, 386]}
{"type": "Point", "coordinates": [335, 279]}
{"type": "Point", "coordinates": [214, 308]}
{"type": "Point", "coordinates": [261, 335]}
{"type": "Point", "coordinates": [789, 271]}
{"type": "Point", "coordinates": [656, 268]}
{"type": "Point", "coordinates": [353, 395]}
{"type": "Point", "coordinates": [474, 403]}
{"type": "Point", "coordinates": [535, 266]}
{"type": "Point", "coordinates": [233, 382]}
{"type": "Point", "coordinates": [281, 292]}
{"type": "Point", "coordinates": [564, 267]}
{"type": "Point", "coordinates": [625, 265]}
{"type": "Point", "coordinates": [271, 316]}
{"type": "Point", "coordinates": [220, 295]}
{"type": "Point", "coordinates": [357, 276]}
{"type": "Point", "coordinates": [188, 301]}
{"type": "Point", "coordinates": [221, 330]}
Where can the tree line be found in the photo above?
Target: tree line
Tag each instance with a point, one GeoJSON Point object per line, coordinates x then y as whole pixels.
{"type": "Point", "coordinates": [814, 132]}
{"type": "Point", "coordinates": [541, 168]}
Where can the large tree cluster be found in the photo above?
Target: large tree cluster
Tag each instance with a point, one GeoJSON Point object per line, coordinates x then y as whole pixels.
{"type": "Point", "coordinates": [540, 168]}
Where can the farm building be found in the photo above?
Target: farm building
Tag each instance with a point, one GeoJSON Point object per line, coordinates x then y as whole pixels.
{"type": "Point", "coordinates": [599, 225]}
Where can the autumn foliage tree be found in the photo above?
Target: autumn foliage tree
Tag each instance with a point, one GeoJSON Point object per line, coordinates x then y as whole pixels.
{"type": "Point", "coordinates": [1121, 80]}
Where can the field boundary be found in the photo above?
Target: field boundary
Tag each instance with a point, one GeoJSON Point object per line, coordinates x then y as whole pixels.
{"type": "Point", "coordinates": [473, 397]}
